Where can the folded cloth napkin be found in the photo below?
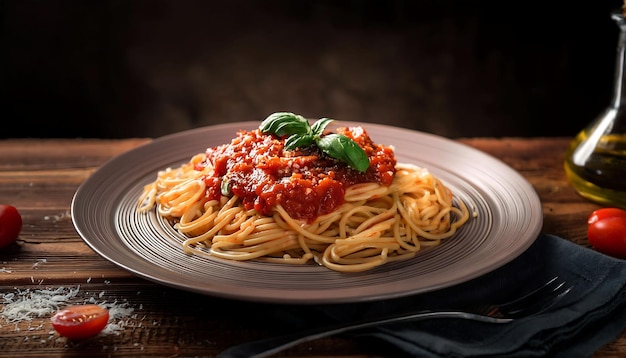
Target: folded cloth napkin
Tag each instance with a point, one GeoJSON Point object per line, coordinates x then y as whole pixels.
{"type": "Point", "coordinates": [591, 315]}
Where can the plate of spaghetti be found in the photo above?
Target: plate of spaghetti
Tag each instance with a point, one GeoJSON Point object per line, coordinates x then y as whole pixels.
{"type": "Point", "coordinates": [288, 210]}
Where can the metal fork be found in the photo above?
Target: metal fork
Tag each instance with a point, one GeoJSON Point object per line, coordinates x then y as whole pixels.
{"type": "Point", "coordinates": [535, 302]}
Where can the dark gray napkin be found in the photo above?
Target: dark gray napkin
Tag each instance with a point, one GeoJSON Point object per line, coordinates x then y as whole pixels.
{"type": "Point", "coordinates": [591, 315]}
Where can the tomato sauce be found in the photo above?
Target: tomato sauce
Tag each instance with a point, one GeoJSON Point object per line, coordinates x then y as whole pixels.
{"type": "Point", "coordinates": [305, 182]}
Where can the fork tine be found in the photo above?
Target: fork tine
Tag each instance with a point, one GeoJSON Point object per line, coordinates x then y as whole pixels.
{"type": "Point", "coordinates": [532, 295]}
{"type": "Point", "coordinates": [544, 304]}
{"type": "Point", "coordinates": [536, 301]}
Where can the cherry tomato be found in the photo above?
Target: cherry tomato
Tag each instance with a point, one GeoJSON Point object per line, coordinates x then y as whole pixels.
{"type": "Point", "coordinates": [10, 225]}
{"type": "Point", "coordinates": [607, 231]}
{"type": "Point", "coordinates": [81, 321]}
{"type": "Point", "coordinates": [605, 213]}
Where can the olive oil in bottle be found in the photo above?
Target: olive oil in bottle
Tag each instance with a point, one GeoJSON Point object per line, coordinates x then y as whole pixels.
{"type": "Point", "coordinates": [595, 161]}
{"type": "Point", "coordinates": [602, 176]}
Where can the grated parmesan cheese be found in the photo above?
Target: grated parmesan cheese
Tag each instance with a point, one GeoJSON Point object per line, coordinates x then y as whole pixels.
{"type": "Point", "coordinates": [27, 304]}
{"type": "Point", "coordinates": [24, 305]}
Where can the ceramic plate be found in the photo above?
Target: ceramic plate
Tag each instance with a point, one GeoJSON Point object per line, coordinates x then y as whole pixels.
{"type": "Point", "coordinates": [508, 219]}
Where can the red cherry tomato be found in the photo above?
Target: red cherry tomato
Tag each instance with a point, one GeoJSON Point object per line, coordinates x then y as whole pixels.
{"type": "Point", "coordinates": [607, 231]}
{"type": "Point", "coordinates": [605, 213]}
{"type": "Point", "coordinates": [81, 321]}
{"type": "Point", "coordinates": [10, 225]}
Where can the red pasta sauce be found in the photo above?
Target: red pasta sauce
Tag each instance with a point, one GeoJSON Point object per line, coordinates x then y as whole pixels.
{"type": "Point", "coordinates": [305, 182]}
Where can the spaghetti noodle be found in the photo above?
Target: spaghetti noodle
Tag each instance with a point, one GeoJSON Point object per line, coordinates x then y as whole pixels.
{"type": "Point", "coordinates": [251, 199]}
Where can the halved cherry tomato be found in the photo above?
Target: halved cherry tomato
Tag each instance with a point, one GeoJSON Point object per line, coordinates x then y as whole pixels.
{"type": "Point", "coordinates": [607, 231]}
{"type": "Point", "coordinates": [81, 321]}
{"type": "Point", "coordinates": [10, 225]}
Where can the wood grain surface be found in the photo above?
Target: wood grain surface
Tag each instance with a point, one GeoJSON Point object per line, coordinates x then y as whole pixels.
{"type": "Point", "coordinates": [39, 177]}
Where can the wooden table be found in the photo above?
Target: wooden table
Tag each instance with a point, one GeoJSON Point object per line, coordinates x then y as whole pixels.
{"type": "Point", "coordinates": [40, 176]}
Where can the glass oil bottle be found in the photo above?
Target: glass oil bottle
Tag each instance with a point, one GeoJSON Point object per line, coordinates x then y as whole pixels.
{"type": "Point", "coordinates": [595, 161]}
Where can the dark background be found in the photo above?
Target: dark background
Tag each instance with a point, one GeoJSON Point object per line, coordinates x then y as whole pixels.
{"type": "Point", "coordinates": [455, 68]}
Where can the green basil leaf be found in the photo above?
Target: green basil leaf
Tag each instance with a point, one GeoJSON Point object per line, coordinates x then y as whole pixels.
{"type": "Point", "coordinates": [318, 127]}
{"type": "Point", "coordinates": [301, 134]}
{"type": "Point", "coordinates": [298, 141]}
{"type": "Point", "coordinates": [345, 149]}
{"type": "Point", "coordinates": [285, 123]}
